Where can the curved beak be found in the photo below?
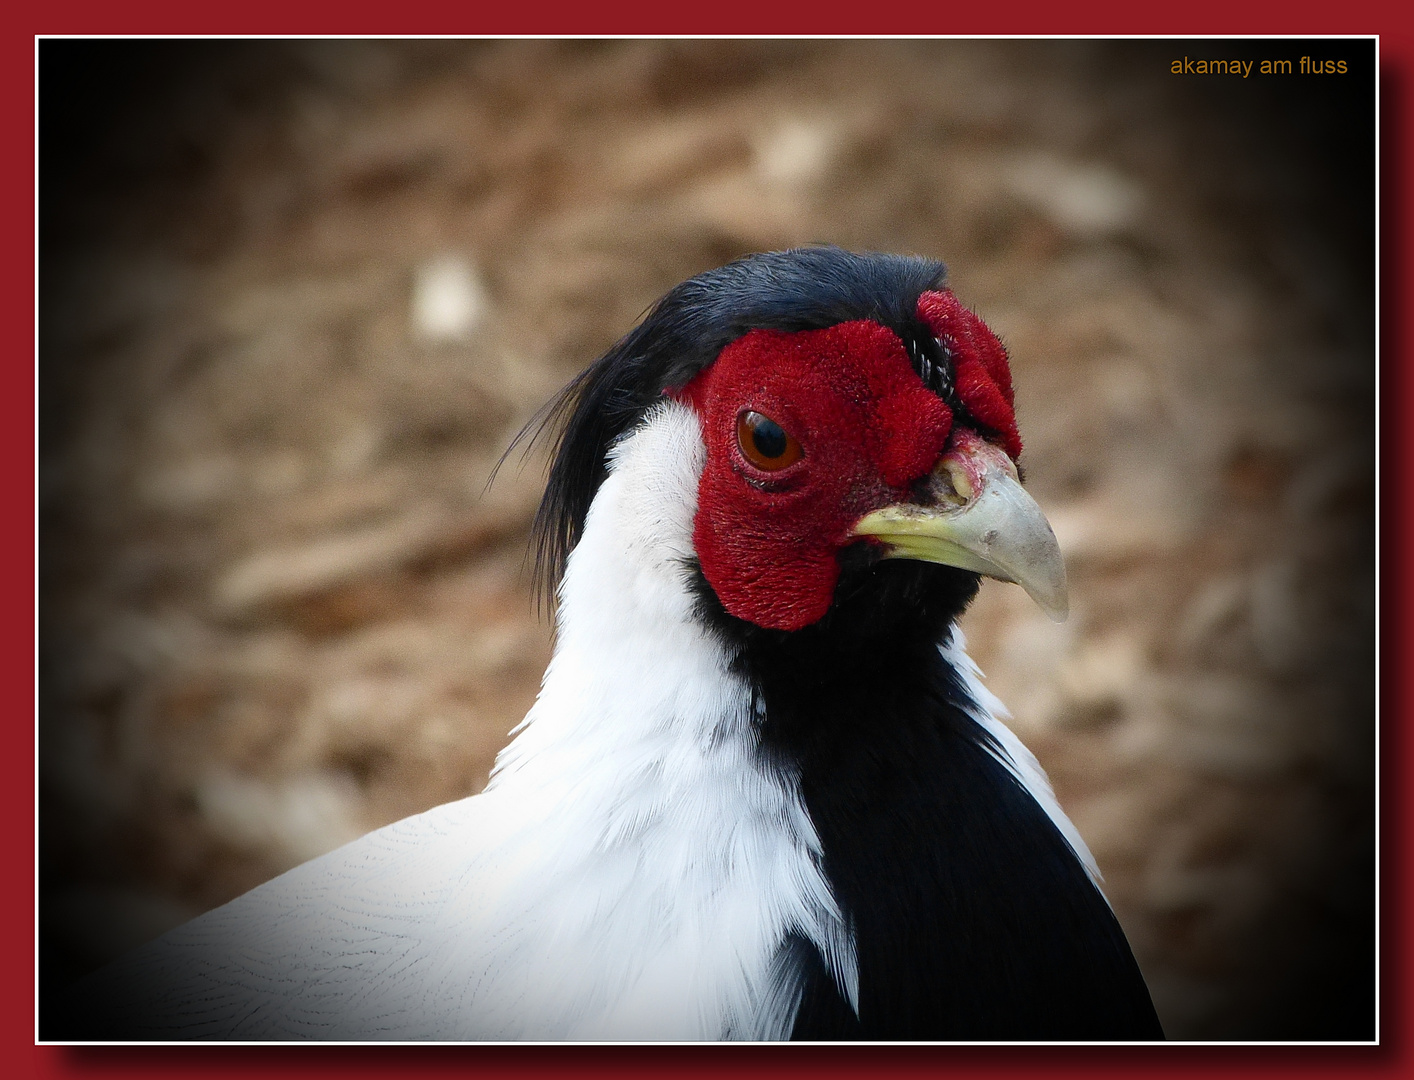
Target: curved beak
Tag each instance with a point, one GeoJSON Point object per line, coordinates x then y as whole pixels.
{"type": "Point", "coordinates": [974, 514]}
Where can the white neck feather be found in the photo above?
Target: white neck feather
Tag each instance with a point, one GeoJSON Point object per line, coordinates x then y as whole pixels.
{"type": "Point", "coordinates": [642, 747]}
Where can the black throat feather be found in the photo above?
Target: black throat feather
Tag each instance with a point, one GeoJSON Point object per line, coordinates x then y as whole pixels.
{"type": "Point", "coordinates": [973, 919]}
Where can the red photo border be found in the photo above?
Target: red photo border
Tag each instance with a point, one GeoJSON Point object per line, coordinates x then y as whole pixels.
{"type": "Point", "coordinates": [20, 1056]}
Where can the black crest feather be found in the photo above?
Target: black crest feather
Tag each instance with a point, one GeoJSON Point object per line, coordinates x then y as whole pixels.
{"type": "Point", "coordinates": [800, 289]}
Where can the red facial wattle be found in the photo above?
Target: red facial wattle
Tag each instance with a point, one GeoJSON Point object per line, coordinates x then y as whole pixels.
{"type": "Point", "coordinates": [981, 372]}
{"type": "Point", "coordinates": [868, 428]}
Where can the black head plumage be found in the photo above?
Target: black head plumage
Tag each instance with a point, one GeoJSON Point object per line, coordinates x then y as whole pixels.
{"type": "Point", "coordinates": [799, 289]}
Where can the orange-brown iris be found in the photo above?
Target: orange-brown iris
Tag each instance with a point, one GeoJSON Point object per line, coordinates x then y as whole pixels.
{"type": "Point", "coordinates": [765, 443]}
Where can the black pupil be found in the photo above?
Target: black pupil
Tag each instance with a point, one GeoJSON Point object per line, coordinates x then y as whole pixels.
{"type": "Point", "coordinates": [769, 439]}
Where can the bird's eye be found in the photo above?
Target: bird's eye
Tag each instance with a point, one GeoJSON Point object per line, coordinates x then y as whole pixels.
{"type": "Point", "coordinates": [765, 443]}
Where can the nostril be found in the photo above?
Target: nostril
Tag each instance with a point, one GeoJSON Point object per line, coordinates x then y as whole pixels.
{"type": "Point", "coordinates": [960, 481]}
{"type": "Point", "coordinates": [947, 485]}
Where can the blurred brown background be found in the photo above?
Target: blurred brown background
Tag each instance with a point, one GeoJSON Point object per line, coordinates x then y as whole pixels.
{"type": "Point", "coordinates": [297, 298]}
